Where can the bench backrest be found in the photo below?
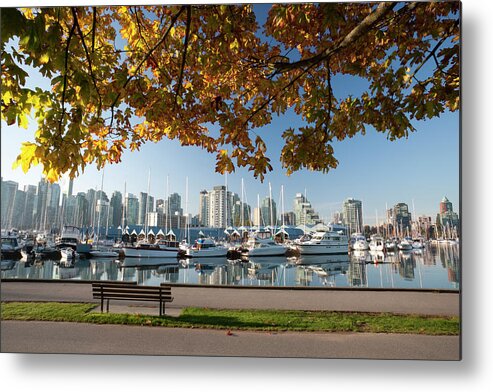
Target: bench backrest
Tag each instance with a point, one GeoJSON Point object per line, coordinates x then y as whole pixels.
{"type": "Point", "coordinates": [130, 291]}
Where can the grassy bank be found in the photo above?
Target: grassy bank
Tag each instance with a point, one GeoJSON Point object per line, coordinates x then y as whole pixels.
{"type": "Point", "coordinates": [254, 320]}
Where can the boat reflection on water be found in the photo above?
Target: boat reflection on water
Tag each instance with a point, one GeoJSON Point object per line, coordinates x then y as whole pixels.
{"type": "Point", "coordinates": [321, 259]}
{"type": "Point", "coordinates": [433, 267]}
{"type": "Point", "coordinates": [360, 255]}
{"type": "Point", "coordinates": [133, 262]}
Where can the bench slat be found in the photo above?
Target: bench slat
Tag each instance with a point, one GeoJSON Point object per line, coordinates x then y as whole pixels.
{"type": "Point", "coordinates": [130, 291]}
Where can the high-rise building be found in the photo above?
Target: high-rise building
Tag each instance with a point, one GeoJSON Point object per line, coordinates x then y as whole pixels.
{"type": "Point", "coordinates": [352, 212]}
{"type": "Point", "coordinates": [173, 204]}
{"type": "Point", "coordinates": [402, 219]}
{"type": "Point", "coordinates": [27, 221]}
{"type": "Point", "coordinates": [53, 207]}
{"type": "Point", "coordinates": [132, 209]}
{"type": "Point", "coordinates": [18, 209]}
{"type": "Point", "coordinates": [288, 219]}
{"type": "Point", "coordinates": [304, 212]}
{"type": "Point", "coordinates": [447, 218]}
{"type": "Point", "coordinates": [219, 208]}
{"type": "Point", "coordinates": [445, 205]}
{"type": "Point", "coordinates": [9, 189]}
{"type": "Point", "coordinates": [204, 208]}
{"type": "Point", "coordinates": [116, 204]}
{"type": "Point", "coordinates": [268, 212]}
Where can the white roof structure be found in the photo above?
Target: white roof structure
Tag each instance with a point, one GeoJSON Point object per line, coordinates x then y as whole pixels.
{"type": "Point", "coordinates": [150, 232]}
{"type": "Point", "coordinates": [160, 232]}
{"type": "Point", "coordinates": [133, 232]}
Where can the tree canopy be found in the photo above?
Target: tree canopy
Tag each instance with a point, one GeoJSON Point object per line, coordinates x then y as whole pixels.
{"type": "Point", "coordinates": [125, 75]}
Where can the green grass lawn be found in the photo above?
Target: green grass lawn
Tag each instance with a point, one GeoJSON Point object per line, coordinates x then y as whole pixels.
{"type": "Point", "coordinates": [254, 320]}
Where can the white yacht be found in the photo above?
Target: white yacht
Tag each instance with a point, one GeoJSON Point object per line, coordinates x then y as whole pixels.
{"type": "Point", "coordinates": [256, 246]}
{"type": "Point", "coordinates": [405, 244]}
{"type": "Point", "coordinates": [358, 242]}
{"type": "Point", "coordinates": [68, 254]}
{"type": "Point", "coordinates": [206, 247]}
{"type": "Point", "coordinates": [390, 245]}
{"type": "Point", "coordinates": [324, 242]}
{"type": "Point", "coordinates": [418, 243]}
{"type": "Point", "coordinates": [11, 249]}
{"type": "Point", "coordinates": [106, 253]}
{"type": "Point", "coordinates": [377, 243]}
{"type": "Point", "coordinates": [144, 249]}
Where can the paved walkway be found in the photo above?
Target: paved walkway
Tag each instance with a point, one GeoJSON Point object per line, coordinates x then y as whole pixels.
{"type": "Point", "coordinates": [52, 337]}
{"type": "Point", "coordinates": [416, 302]}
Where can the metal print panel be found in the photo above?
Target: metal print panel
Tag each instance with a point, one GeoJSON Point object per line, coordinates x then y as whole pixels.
{"type": "Point", "coordinates": [250, 180]}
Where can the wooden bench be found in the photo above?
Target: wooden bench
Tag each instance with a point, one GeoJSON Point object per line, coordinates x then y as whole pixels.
{"type": "Point", "coordinates": [131, 292]}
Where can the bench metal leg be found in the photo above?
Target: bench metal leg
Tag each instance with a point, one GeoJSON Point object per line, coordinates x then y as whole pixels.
{"type": "Point", "coordinates": [102, 304]}
{"type": "Point", "coordinates": [107, 306]}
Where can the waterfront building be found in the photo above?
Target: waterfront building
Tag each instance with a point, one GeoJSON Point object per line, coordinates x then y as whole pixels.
{"type": "Point", "coordinates": [447, 218]}
{"type": "Point", "coordinates": [238, 209]}
{"type": "Point", "coordinates": [173, 204]}
{"type": "Point", "coordinates": [146, 204]}
{"type": "Point", "coordinates": [268, 212]}
{"type": "Point", "coordinates": [402, 219]}
{"type": "Point", "coordinates": [288, 218]}
{"type": "Point", "coordinates": [27, 220]}
{"type": "Point", "coordinates": [304, 212]}
{"type": "Point", "coordinates": [352, 212]}
{"type": "Point", "coordinates": [156, 218]}
{"type": "Point", "coordinates": [204, 208]}
{"type": "Point", "coordinates": [445, 205]}
{"type": "Point", "coordinates": [116, 204]}
{"type": "Point", "coordinates": [9, 189]}
{"type": "Point", "coordinates": [219, 208]}
{"type": "Point", "coordinates": [17, 215]}
{"type": "Point", "coordinates": [132, 209]}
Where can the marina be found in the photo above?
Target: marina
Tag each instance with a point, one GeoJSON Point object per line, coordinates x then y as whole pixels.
{"type": "Point", "coordinates": [433, 267]}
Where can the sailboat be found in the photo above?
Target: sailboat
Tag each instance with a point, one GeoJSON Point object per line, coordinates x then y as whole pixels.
{"type": "Point", "coordinates": [144, 249]}
{"type": "Point", "coordinates": [98, 252]}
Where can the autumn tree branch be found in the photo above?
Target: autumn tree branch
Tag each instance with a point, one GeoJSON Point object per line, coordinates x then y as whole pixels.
{"type": "Point", "coordinates": [185, 47]}
{"type": "Point", "coordinates": [91, 71]}
{"type": "Point", "coordinates": [366, 25]}
{"type": "Point", "coordinates": [67, 47]}
{"type": "Point", "coordinates": [146, 57]}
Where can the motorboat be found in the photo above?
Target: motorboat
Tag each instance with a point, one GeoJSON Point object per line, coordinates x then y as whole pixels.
{"type": "Point", "coordinates": [377, 243]}
{"type": "Point", "coordinates": [69, 238]}
{"type": "Point", "coordinates": [11, 249]}
{"type": "Point", "coordinates": [390, 245]}
{"type": "Point", "coordinates": [47, 253]}
{"type": "Point", "coordinates": [68, 254]}
{"type": "Point", "coordinates": [418, 243]}
{"type": "Point", "coordinates": [405, 244]}
{"type": "Point", "coordinates": [106, 253]}
{"type": "Point", "coordinates": [145, 249]}
{"type": "Point", "coordinates": [324, 242]}
{"type": "Point", "coordinates": [206, 247]}
{"type": "Point", "coordinates": [359, 242]}
{"type": "Point", "coordinates": [256, 246]}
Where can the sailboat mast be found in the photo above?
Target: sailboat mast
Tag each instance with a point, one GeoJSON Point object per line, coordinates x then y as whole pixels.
{"type": "Point", "coordinates": [187, 223]}
{"type": "Point", "coordinates": [147, 204]}
{"type": "Point", "coordinates": [242, 218]}
{"type": "Point", "coordinates": [100, 206]}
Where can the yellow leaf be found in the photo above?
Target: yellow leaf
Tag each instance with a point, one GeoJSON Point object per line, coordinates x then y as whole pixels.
{"type": "Point", "coordinates": [44, 58]}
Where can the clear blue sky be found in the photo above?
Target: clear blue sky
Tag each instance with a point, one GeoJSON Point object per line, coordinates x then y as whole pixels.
{"type": "Point", "coordinates": [423, 168]}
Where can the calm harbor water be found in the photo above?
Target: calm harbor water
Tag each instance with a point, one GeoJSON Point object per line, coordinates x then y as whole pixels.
{"type": "Point", "coordinates": [435, 267]}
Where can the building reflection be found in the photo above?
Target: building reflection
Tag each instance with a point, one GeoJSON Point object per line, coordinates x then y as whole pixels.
{"type": "Point", "coordinates": [433, 267]}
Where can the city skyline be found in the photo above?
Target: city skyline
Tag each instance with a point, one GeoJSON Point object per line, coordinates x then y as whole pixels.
{"type": "Point", "coordinates": [300, 208]}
